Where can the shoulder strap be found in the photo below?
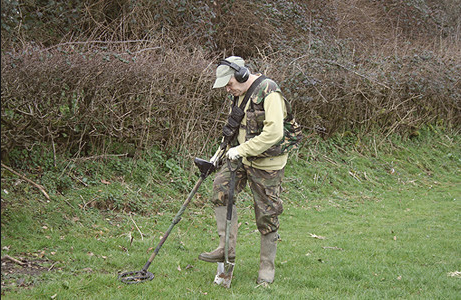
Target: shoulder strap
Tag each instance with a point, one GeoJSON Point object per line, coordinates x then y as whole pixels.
{"type": "Point", "coordinates": [250, 91]}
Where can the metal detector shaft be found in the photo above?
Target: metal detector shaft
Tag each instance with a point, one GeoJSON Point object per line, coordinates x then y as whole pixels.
{"type": "Point", "coordinates": [206, 168]}
{"type": "Point", "coordinates": [228, 266]}
{"type": "Point", "coordinates": [175, 221]}
{"type": "Point", "coordinates": [230, 203]}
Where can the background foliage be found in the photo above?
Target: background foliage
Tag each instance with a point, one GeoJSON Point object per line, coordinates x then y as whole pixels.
{"type": "Point", "coordinates": [95, 76]}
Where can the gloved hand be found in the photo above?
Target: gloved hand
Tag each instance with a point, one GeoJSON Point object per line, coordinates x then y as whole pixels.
{"type": "Point", "coordinates": [233, 154]}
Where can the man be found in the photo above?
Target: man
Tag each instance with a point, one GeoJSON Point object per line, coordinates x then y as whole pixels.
{"type": "Point", "coordinates": [260, 131]}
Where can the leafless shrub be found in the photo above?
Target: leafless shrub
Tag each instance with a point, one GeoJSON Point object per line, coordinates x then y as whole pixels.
{"type": "Point", "coordinates": [86, 101]}
{"type": "Point", "coordinates": [137, 74]}
{"type": "Point", "coordinates": [388, 94]}
{"type": "Point", "coordinates": [233, 26]}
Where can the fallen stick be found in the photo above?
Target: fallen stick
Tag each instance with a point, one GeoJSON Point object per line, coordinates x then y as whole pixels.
{"type": "Point", "coordinates": [85, 204]}
{"type": "Point", "coordinates": [49, 269]}
{"type": "Point", "coordinates": [40, 187]}
{"type": "Point", "coordinates": [13, 260]}
{"type": "Point", "coordinates": [333, 248]}
{"type": "Point", "coordinates": [137, 227]}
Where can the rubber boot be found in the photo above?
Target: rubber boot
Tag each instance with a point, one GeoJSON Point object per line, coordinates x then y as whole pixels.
{"type": "Point", "coordinates": [217, 255]}
{"type": "Point", "coordinates": [267, 258]}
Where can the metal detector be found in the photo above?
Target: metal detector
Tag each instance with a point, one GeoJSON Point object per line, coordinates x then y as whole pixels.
{"type": "Point", "coordinates": [206, 168]}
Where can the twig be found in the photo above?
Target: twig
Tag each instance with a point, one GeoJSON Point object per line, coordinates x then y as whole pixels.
{"type": "Point", "coordinates": [54, 147]}
{"type": "Point", "coordinates": [85, 204]}
{"type": "Point", "coordinates": [78, 179]}
{"type": "Point", "coordinates": [454, 274]}
{"type": "Point", "coordinates": [95, 42]}
{"type": "Point", "coordinates": [355, 176]}
{"type": "Point", "coordinates": [329, 160]}
{"type": "Point", "coordinates": [147, 49]}
{"type": "Point", "coordinates": [395, 125]}
{"type": "Point", "coordinates": [302, 56]}
{"type": "Point", "coordinates": [320, 93]}
{"type": "Point", "coordinates": [356, 73]}
{"type": "Point", "coordinates": [142, 238]}
{"type": "Point", "coordinates": [98, 157]}
{"type": "Point", "coordinates": [374, 146]}
{"type": "Point", "coordinates": [68, 203]}
{"type": "Point", "coordinates": [332, 62]}
{"type": "Point", "coordinates": [333, 248]}
{"type": "Point", "coordinates": [13, 260]}
{"type": "Point", "coordinates": [317, 236]}
{"type": "Point", "coordinates": [40, 187]}
{"type": "Point", "coordinates": [54, 151]}
{"type": "Point", "coordinates": [49, 269]}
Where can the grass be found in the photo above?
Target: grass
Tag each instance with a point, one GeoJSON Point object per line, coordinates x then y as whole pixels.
{"type": "Point", "coordinates": [359, 223]}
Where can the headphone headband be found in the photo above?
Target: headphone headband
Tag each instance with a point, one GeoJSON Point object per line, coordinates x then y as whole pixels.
{"type": "Point", "coordinates": [230, 64]}
{"type": "Point", "coordinates": [241, 74]}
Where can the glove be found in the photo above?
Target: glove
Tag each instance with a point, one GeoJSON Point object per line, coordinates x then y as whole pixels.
{"type": "Point", "coordinates": [233, 154]}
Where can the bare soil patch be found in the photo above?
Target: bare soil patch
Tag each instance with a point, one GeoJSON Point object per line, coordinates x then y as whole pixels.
{"type": "Point", "coordinates": [20, 271]}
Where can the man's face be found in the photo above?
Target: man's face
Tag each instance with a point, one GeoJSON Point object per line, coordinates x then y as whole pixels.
{"type": "Point", "coordinates": [235, 88]}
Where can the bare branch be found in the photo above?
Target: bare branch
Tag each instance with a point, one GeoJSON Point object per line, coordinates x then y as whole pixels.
{"type": "Point", "coordinates": [40, 187]}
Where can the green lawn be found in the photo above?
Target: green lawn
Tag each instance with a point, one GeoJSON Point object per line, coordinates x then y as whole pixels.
{"type": "Point", "coordinates": [359, 223]}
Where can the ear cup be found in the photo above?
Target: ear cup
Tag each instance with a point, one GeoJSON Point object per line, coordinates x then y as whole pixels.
{"type": "Point", "coordinates": [241, 74]}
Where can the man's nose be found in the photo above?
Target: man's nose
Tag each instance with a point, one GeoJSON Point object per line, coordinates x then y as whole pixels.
{"type": "Point", "coordinates": [228, 89]}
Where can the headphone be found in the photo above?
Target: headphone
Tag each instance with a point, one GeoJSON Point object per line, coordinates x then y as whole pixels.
{"type": "Point", "coordinates": [241, 74]}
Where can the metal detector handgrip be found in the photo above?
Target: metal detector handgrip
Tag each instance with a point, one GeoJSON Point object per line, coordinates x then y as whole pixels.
{"type": "Point", "coordinates": [219, 155]}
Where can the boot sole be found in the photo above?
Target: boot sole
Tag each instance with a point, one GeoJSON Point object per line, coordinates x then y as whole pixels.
{"type": "Point", "coordinates": [263, 281]}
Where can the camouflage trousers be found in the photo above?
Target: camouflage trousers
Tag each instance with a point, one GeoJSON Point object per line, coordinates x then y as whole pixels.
{"type": "Point", "coordinates": [265, 186]}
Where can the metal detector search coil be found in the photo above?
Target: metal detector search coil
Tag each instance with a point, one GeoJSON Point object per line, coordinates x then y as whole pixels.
{"type": "Point", "coordinates": [135, 277]}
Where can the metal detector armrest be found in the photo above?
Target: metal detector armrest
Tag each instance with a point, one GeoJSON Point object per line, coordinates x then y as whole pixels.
{"type": "Point", "coordinates": [205, 167]}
